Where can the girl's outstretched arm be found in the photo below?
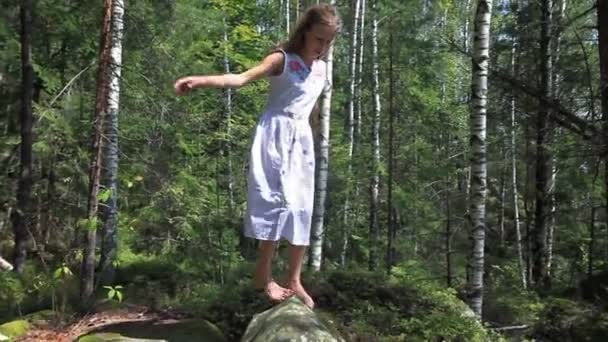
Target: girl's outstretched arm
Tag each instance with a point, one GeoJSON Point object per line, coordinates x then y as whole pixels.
{"type": "Point", "coordinates": [271, 65]}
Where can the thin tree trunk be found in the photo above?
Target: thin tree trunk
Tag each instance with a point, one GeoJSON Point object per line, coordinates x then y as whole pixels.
{"type": "Point", "coordinates": [467, 27]}
{"type": "Point", "coordinates": [543, 157]}
{"type": "Point", "coordinates": [591, 245]}
{"type": "Point", "coordinates": [47, 220]}
{"type": "Point", "coordinates": [287, 17]}
{"type": "Point", "coordinates": [87, 272]}
{"type": "Point", "coordinates": [602, 23]}
{"type": "Point", "coordinates": [555, 93]}
{"type": "Point", "coordinates": [350, 128]}
{"type": "Point", "coordinates": [528, 205]}
{"type": "Point", "coordinates": [359, 83]}
{"type": "Point", "coordinates": [448, 236]}
{"type": "Point", "coordinates": [501, 216]}
{"type": "Point", "coordinates": [110, 230]}
{"type": "Point", "coordinates": [481, 55]}
{"type": "Point", "coordinates": [391, 149]}
{"type": "Point", "coordinates": [375, 181]}
{"type": "Point", "coordinates": [244, 243]}
{"type": "Point", "coordinates": [322, 167]}
{"type": "Point", "coordinates": [21, 217]}
{"type": "Point", "coordinates": [515, 52]}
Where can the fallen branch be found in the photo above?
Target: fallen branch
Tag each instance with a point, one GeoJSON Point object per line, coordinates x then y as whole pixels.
{"type": "Point", "coordinates": [513, 327]}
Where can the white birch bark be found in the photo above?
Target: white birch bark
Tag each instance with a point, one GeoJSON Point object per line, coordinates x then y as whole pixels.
{"type": "Point", "coordinates": [358, 98]}
{"type": "Point", "coordinates": [375, 181]}
{"type": "Point", "coordinates": [555, 81]}
{"type": "Point", "coordinates": [322, 167]}
{"type": "Point", "coordinates": [477, 205]}
{"type": "Point", "coordinates": [111, 152]}
{"type": "Point", "coordinates": [515, 71]}
{"type": "Point", "coordinates": [350, 128]}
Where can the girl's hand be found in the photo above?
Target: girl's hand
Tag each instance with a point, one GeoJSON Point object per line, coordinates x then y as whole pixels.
{"type": "Point", "coordinates": [184, 85]}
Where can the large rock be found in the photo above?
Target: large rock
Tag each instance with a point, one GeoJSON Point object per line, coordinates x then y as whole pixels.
{"type": "Point", "coordinates": [289, 321]}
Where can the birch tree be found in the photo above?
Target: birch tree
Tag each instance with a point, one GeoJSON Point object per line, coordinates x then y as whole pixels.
{"type": "Point", "coordinates": [543, 157]}
{"type": "Point", "coordinates": [515, 51]}
{"type": "Point", "coordinates": [21, 217]}
{"type": "Point", "coordinates": [322, 167]}
{"type": "Point", "coordinates": [103, 105]}
{"type": "Point", "coordinates": [375, 181]}
{"type": "Point", "coordinates": [560, 9]}
{"type": "Point", "coordinates": [477, 205]}
{"type": "Point", "coordinates": [350, 124]}
{"type": "Point", "coordinates": [111, 157]}
{"type": "Point", "coordinates": [602, 23]}
{"type": "Point", "coordinates": [358, 99]}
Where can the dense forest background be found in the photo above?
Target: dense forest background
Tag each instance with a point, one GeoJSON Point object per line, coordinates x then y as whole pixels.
{"type": "Point", "coordinates": [114, 187]}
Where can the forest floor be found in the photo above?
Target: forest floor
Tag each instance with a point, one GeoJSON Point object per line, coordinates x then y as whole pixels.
{"type": "Point", "coordinates": [70, 329]}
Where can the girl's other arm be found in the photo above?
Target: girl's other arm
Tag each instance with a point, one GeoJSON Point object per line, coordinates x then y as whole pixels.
{"type": "Point", "coordinates": [271, 65]}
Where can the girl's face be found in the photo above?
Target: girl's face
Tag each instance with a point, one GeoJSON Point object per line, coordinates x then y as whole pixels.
{"type": "Point", "coordinates": [317, 40]}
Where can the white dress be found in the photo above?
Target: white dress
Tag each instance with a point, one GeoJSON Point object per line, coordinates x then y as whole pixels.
{"type": "Point", "coordinates": [280, 189]}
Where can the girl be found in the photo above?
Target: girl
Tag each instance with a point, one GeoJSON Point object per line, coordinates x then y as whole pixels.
{"type": "Point", "coordinates": [281, 174]}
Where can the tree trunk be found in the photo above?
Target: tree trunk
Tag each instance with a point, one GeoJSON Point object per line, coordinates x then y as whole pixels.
{"type": "Point", "coordinates": [87, 273]}
{"type": "Point", "coordinates": [528, 203]}
{"type": "Point", "coordinates": [602, 23]}
{"type": "Point", "coordinates": [110, 211]}
{"type": "Point", "coordinates": [515, 52]}
{"type": "Point", "coordinates": [322, 166]}
{"type": "Point", "coordinates": [375, 181]}
{"type": "Point", "coordinates": [287, 17]}
{"type": "Point", "coordinates": [555, 93]}
{"type": "Point", "coordinates": [359, 83]}
{"type": "Point", "coordinates": [350, 127]}
{"type": "Point", "coordinates": [245, 245]}
{"type": "Point", "coordinates": [543, 158]}
{"type": "Point", "coordinates": [448, 239]}
{"type": "Point", "coordinates": [391, 150]}
{"type": "Point", "coordinates": [467, 27]}
{"type": "Point", "coordinates": [21, 217]}
{"type": "Point", "coordinates": [591, 245]}
{"type": "Point", "coordinates": [501, 216]}
{"type": "Point", "coordinates": [481, 51]}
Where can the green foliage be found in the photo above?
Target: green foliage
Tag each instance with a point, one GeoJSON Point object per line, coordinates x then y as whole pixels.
{"type": "Point", "coordinates": [365, 302]}
{"type": "Point", "coordinates": [567, 320]}
{"type": "Point", "coordinates": [114, 292]}
{"type": "Point", "coordinates": [15, 328]}
{"type": "Point", "coordinates": [12, 293]}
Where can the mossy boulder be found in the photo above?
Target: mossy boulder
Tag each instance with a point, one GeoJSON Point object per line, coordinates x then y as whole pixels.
{"type": "Point", "coordinates": [15, 328]}
{"type": "Point", "coordinates": [289, 321]}
{"type": "Point", "coordinates": [184, 330]}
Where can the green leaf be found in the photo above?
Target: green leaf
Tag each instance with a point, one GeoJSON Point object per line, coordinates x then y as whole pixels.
{"type": "Point", "coordinates": [104, 195]}
{"type": "Point", "coordinates": [89, 223]}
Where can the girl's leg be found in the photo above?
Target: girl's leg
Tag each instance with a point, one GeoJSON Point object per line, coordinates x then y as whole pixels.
{"type": "Point", "coordinates": [296, 256]}
{"type": "Point", "coordinates": [263, 273]}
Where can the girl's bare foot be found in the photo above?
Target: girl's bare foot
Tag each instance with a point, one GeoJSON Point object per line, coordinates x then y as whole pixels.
{"type": "Point", "coordinates": [276, 292]}
{"type": "Point", "coordinates": [300, 292]}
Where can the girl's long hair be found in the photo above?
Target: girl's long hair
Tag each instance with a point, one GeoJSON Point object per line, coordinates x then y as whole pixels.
{"type": "Point", "coordinates": [317, 14]}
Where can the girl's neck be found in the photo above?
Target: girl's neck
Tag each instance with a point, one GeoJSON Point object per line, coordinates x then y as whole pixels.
{"type": "Point", "coordinates": [307, 60]}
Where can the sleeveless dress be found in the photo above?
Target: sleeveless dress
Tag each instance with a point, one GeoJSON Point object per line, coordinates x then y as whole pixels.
{"type": "Point", "coordinates": [280, 186]}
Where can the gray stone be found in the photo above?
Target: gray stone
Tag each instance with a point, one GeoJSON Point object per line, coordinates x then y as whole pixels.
{"type": "Point", "coordinates": [289, 321]}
